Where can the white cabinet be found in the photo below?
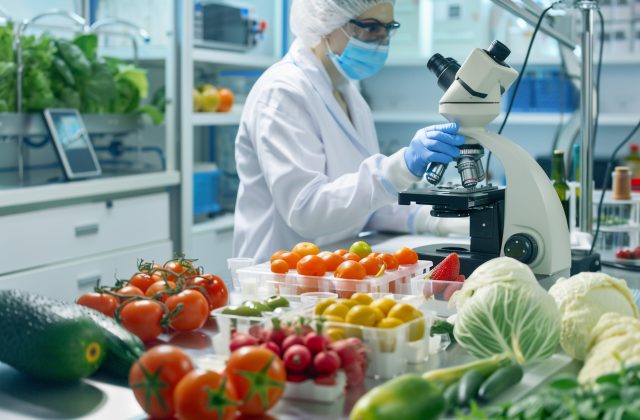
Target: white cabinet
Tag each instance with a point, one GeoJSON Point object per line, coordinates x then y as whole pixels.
{"type": "Point", "coordinates": [211, 245]}
{"type": "Point", "coordinates": [68, 280]}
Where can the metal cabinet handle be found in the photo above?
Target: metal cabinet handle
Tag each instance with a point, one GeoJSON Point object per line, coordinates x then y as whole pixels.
{"type": "Point", "coordinates": [89, 281]}
{"type": "Point", "coordinates": [88, 229]}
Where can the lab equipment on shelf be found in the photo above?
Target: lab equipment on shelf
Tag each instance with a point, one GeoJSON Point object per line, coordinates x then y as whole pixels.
{"type": "Point", "coordinates": [619, 226]}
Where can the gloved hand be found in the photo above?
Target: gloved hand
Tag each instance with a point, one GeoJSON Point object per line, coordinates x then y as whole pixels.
{"type": "Point", "coordinates": [437, 143]}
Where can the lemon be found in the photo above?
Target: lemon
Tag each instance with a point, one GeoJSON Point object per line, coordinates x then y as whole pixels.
{"type": "Point", "coordinates": [379, 314]}
{"type": "Point", "coordinates": [404, 312]}
{"type": "Point", "coordinates": [350, 303]}
{"type": "Point", "coordinates": [210, 99]}
{"type": "Point", "coordinates": [384, 304]}
{"type": "Point", "coordinates": [389, 323]}
{"type": "Point", "coordinates": [322, 305]}
{"type": "Point", "coordinates": [362, 298]}
{"type": "Point", "coordinates": [197, 100]}
{"type": "Point", "coordinates": [361, 315]}
{"type": "Point", "coordinates": [416, 330]}
{"type": "Point", "coordinates": [335, 334]}
{"type": "Point", "coordinates": [336, 309]}
{"type": "Point", "coordinates": [333, 318]}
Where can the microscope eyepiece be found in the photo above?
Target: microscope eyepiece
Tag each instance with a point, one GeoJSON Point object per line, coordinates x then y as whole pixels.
{"type": "Point", "coordinates": [498, 51]}
{"type": "Point", "coordinates": [445, 70]}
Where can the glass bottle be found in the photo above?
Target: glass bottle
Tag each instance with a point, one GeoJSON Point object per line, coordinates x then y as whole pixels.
{"type": "Point", "coordinates": [576, 178]}
{"type": "Point", "coordinates": [559, 179]}
{"type": "Point", "coordinates": [633, 160]}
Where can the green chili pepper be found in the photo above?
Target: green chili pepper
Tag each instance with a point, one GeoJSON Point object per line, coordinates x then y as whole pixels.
{"type": "Point", "coordinates": [242, 311]}
{"type": "Point", "coordinates": [277, 302]}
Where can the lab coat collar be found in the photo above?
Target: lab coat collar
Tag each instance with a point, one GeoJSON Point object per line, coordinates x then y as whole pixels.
{"type": "Point", "coordinates": [304, 58]}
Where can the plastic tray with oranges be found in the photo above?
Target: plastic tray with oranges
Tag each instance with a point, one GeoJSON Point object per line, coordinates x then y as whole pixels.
{"type": "Point", "coordinates": [258, 281]}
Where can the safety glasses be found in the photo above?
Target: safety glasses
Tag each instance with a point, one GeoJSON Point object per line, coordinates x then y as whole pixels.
{"type": "Point", "coordinates": [373, 31]}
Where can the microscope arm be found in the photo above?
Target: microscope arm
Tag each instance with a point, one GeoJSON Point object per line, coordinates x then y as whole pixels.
{"type": "Point", "coordinates": [531, 204]}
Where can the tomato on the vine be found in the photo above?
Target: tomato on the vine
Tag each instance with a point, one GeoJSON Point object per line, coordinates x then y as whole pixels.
{"type": "Point", "coordinates": [101, 302]}
{"type": "Point", "coordinates": [154, 377]}
{"type": "Point", "coordinates": [203, 394]}
{"type": "Point", "coordinates": [129, 290]}
{"type": "Point", "coordinates": [194, 312]}
{"type": "Point", "coordinates": [141, 280]}
{"type": "Point", "coordinates": [181, 267]}
{"type": "Point", "coordinates": [258, 376]}
{"type": "Point", "coordinates": [143, 318]}
{"type": "Point", "coordinates": [215, 287]}
{"type": "Point", "coordinates": [160, 286]}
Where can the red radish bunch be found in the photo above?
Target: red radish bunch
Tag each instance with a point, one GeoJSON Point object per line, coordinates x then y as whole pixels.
{"type": "Point", "coordinates": [353, 355]}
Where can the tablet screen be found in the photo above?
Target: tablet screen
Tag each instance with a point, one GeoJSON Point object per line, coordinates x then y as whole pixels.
{"type": "Point", "coordinates": [72, 143]}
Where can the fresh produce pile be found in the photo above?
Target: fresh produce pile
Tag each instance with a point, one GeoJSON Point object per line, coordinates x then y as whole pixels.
{"type": "Point", "coordinates": [175, 295]}
{"type": "Point", "coordinates": [208, 98]}
{"type": "Point", "coordinates": [167, 385]}
{"type": "Point", "coordinates": [628, 254]}
{"type": "Point", "coordinates": [363, 310]}
{"type": "Point", "coordinates": [59, 73]}
{"type": "Point", "coordinates": [308, 354]}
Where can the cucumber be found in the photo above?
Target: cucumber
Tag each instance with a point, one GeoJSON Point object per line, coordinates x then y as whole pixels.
{"type": "Point", "coordinates": [468, 387]}
{"type": "Point", "coordinates": [40, 341]}
{"type": "Point", "coordinates": [451, 397]}
{"type": "Point", "coordinates": [123, 348]}
{"type": "Point", "coordinates": [501, 380]}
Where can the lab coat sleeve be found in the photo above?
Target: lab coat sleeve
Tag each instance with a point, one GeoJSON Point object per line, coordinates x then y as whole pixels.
{"type": "Point", "coordinates": [293, 160]}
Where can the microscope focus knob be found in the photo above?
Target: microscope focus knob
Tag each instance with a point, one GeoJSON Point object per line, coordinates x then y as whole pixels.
{"type": "Point", "coordinates": [498, 51]}
{"type": "Point", "coordinates": [521, 247]}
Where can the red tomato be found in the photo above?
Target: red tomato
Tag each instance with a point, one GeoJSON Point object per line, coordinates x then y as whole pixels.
{"type": "Point", "coordinates": [160, 286]}
{"type": "Point", "coordinates": [372, 265]}
{"type": "Point", "coordinates": [390, 262]}
{"type": "Point", "coordinates": [194, 312]}
{"type": "Point", "coordinates": [101, 302]}
{"type": "Point", "coordinates": [154, 377]}
{"type": "Point", "coordinates": [256, 372]}
{"type": "Point", "coordinates": [129, 290]}
{"type": "Point", "coordinates": [141, 280]}
{"type": "Point", "coordinates": [181, 267]}
{"type": "Point", "coordinates": [147, 267]}
{"type": "Point", "coordinates": [203, 394]}
{"type": "Point", "coordinates": [215, 287]}
{"type": "Point", "coordinates": [143, 318]}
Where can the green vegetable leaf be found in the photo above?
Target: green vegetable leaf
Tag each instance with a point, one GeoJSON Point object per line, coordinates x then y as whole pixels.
{"type": "Point", "coordinates": [99, 90]}
{"type": "Point", "coordinates": [564, 383]}
{"type": "Point", "coordinates": [8, 86]}
{"type": "Point", "coordinates": [612, 378]}
{"type": "Point", "coordinates": [136, 76]}
{"type": "Point", "coordinates": [63, 71]}
{"type": "Point", "coordinates": [6, 43]}
{"type": "Point", "coordinates": [74, 58]}
{"type": "Point", "coordinates": [88, 43]}
{"type": "Point", "coordinates": [157, 117]}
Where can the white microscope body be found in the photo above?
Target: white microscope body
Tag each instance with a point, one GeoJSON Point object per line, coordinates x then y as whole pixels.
{"type": "Point", "coordinates": [532, 208]}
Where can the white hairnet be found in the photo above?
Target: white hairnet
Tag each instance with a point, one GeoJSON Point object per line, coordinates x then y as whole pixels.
{"type": "Point", "coordinates": [311, 20]}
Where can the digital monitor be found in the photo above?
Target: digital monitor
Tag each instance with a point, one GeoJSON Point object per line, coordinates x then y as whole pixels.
{"type": "Point", "coordinates": [72, 143]}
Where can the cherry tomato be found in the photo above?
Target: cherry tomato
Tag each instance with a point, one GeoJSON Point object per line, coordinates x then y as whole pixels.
{"type": "Point", "coordinates": [406, 256]}
{"type": "Point", "coordinates": [160, 286]}
{"type": "Point", "coordinates": [276, 255]}
{"type": "Point", "coordinates": [203, 394]}
{"type": "Point", "coordinates": [372, 265]}
{"type": "Point", "coordinates": [129, 290]}
{"type": "Point", "coordinates": [148, 268]}
{"type": "Point", "coordinates": [291, 258]}
{"type": "Point", "coordinates": [341, 252]}
{"type": "Point", "coordinates": [256, 373]}
{"type": "Point", "coordinates": [279, 267]}
{"type": "Point", "coordinates": [390, 262]}
{"type": "Point", "coordinates": [194, 312]}
{"type": "Point", "coordinates": [143, 318]}
{"type": "Point", "coordinates": [154, 377]}
{"type": "Point", "coordinates": [101, 302]}
{"type": "Point", "coordinates": [331, 260]}
{"type": "Point", "coordinates": [141, 280]}
{"type": "Point", "coordinates": [350, 270]}
{"type": "Point", "coordinates": [215, 287]}
{"type": "Point", "coordinates": [306, 248]}
{"type": "Point", "coordinates": [182, 267]}
{"type": "Point", "coordinates": [351, 256]}
{"type": "Point", "coordinates": [311, 265]}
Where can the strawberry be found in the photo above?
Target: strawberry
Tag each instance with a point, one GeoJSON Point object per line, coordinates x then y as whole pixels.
{"type": "Point", "coordinates": [448, 269]}
{"type": "Point", "coordinates": [449, 291]}
{"type": "Point", "coordinates": [461, 278]}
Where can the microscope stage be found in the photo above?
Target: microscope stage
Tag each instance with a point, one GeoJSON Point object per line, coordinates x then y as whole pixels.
{"type": "Point", "coordinates": [453, 198]}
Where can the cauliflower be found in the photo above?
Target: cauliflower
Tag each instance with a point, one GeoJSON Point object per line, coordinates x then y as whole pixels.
{"type": "Point", "coordinates": [615, 338]}
{"type": "Point", "coordinates": [582, 300]}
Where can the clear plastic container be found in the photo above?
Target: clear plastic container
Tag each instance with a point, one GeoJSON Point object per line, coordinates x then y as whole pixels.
{"type": "Point", "coordinates": [436, 294]}
{"type": "Point", "coordinates": [619, 226]}
{"type": "Point", "coordinates": [258, 281]}
{"type": "Point", "coordinates": [311, 391]}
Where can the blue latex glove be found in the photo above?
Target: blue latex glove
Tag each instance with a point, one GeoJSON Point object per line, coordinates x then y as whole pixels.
{"type": "Point", "coordinates": [437, 143]}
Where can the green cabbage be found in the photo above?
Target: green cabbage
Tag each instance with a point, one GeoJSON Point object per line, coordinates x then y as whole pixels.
{"type": "Point", "coordinates": [502, 308]}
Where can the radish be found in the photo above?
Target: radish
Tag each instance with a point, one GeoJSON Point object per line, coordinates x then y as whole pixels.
{"type": "Point", "coordinates": [326, 362]}
{"type": "Point", "coordinates": [327, 380]}
{"type": "Point", "coordinates": [296, 377]}
{"type": "Point", "coordinates": [271, 346]}
{"type": "Point", "coordinates": [297, 358]}
{"type": "Point", "coordinates": [290, 341]}
{"type": "Point", "coordinates": [355, 375]}
{"type": "Point", "coordinates": [315, 341]}
{"type": "Point", "coordinates": [242, 340]}
{"type": "Point", "coordinates": [278, 333]}
{"type": "Point", "coordinates": [348, 353]}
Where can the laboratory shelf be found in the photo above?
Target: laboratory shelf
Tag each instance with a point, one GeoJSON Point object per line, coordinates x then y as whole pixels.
{"type": "Point", "coordinates": [211, 56]}
{"type": "Point", "coordinates": [205, 119]}
{"type": "Point", "coordinates": [216, 224]}
{"type": "Point", "coordinates": [66, 191]}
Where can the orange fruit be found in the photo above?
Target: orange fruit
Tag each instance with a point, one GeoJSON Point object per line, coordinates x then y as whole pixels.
{"type": "Point", "coordinates": [406, 256]}
{"type": "Point", "coordinates": [279, 266]}
{"type": "Point", "coordinates": [390, 262]}
{"type": "Point", "coordinates": [276, 255]}
{"type": "Point", "coordinates": [331, 260]}
{"type": "Point", "coordinates": [341, 252]}
{"type": "Point", "coordinates": [306, 248]}
{"type": "Point", "coordinates": [311, 265]}
{"type": "Point", "coordinates": [350, 270]}
{"type": "Point", "coordinates": [291, 258]}
{"type": "Point", "coordinates": [226, 100]}
{"type": "Point", "coordinates": [372, 265]}
{"type": "Point", "coordinates": [351, 256]}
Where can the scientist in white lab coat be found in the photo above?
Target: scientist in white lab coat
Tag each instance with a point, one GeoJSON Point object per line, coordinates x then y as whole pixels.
{"type": "Point", "coordinates": [307, 153]}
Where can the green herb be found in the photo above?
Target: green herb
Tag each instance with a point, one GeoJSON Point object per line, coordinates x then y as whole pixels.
{"type": "Point", "coordinates": [441, 326]}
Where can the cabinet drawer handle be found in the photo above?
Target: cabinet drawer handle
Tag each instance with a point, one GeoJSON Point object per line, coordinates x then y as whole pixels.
{"type": "Point", "coordinates": [88, 229]}
{"type": "Point", "coordinates": [88, 281]}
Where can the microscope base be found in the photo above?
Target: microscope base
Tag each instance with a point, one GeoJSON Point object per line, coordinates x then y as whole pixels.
{"type": "Point", "coordinates": [469, 260]}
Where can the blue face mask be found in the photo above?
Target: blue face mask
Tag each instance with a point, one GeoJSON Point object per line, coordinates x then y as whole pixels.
{"type": "Point", "coordinates": [360, 60]}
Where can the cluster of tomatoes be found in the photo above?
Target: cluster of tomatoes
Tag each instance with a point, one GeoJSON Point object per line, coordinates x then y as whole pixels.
{"type": "Point", "coordinates": [174, 295]}
{"type": "Point", "coordinates": [166, 384]}
{"type": "Point", "coordinates": [628, 254]}
{"type": "Point", "coordinates": [308, 354]}
{"type": "Point", "coordinates": [355, 263]}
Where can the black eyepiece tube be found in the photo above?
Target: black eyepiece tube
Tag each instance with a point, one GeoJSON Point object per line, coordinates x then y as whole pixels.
{"type": "Point", "coordinates": [445, 70]}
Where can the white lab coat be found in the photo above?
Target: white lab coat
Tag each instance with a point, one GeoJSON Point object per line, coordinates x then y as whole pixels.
{"type": "Point", "coordinates": [307, 172]}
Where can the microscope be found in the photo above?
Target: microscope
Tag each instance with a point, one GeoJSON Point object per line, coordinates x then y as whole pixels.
{"type": "Point", "coordinates": [525, 220]}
